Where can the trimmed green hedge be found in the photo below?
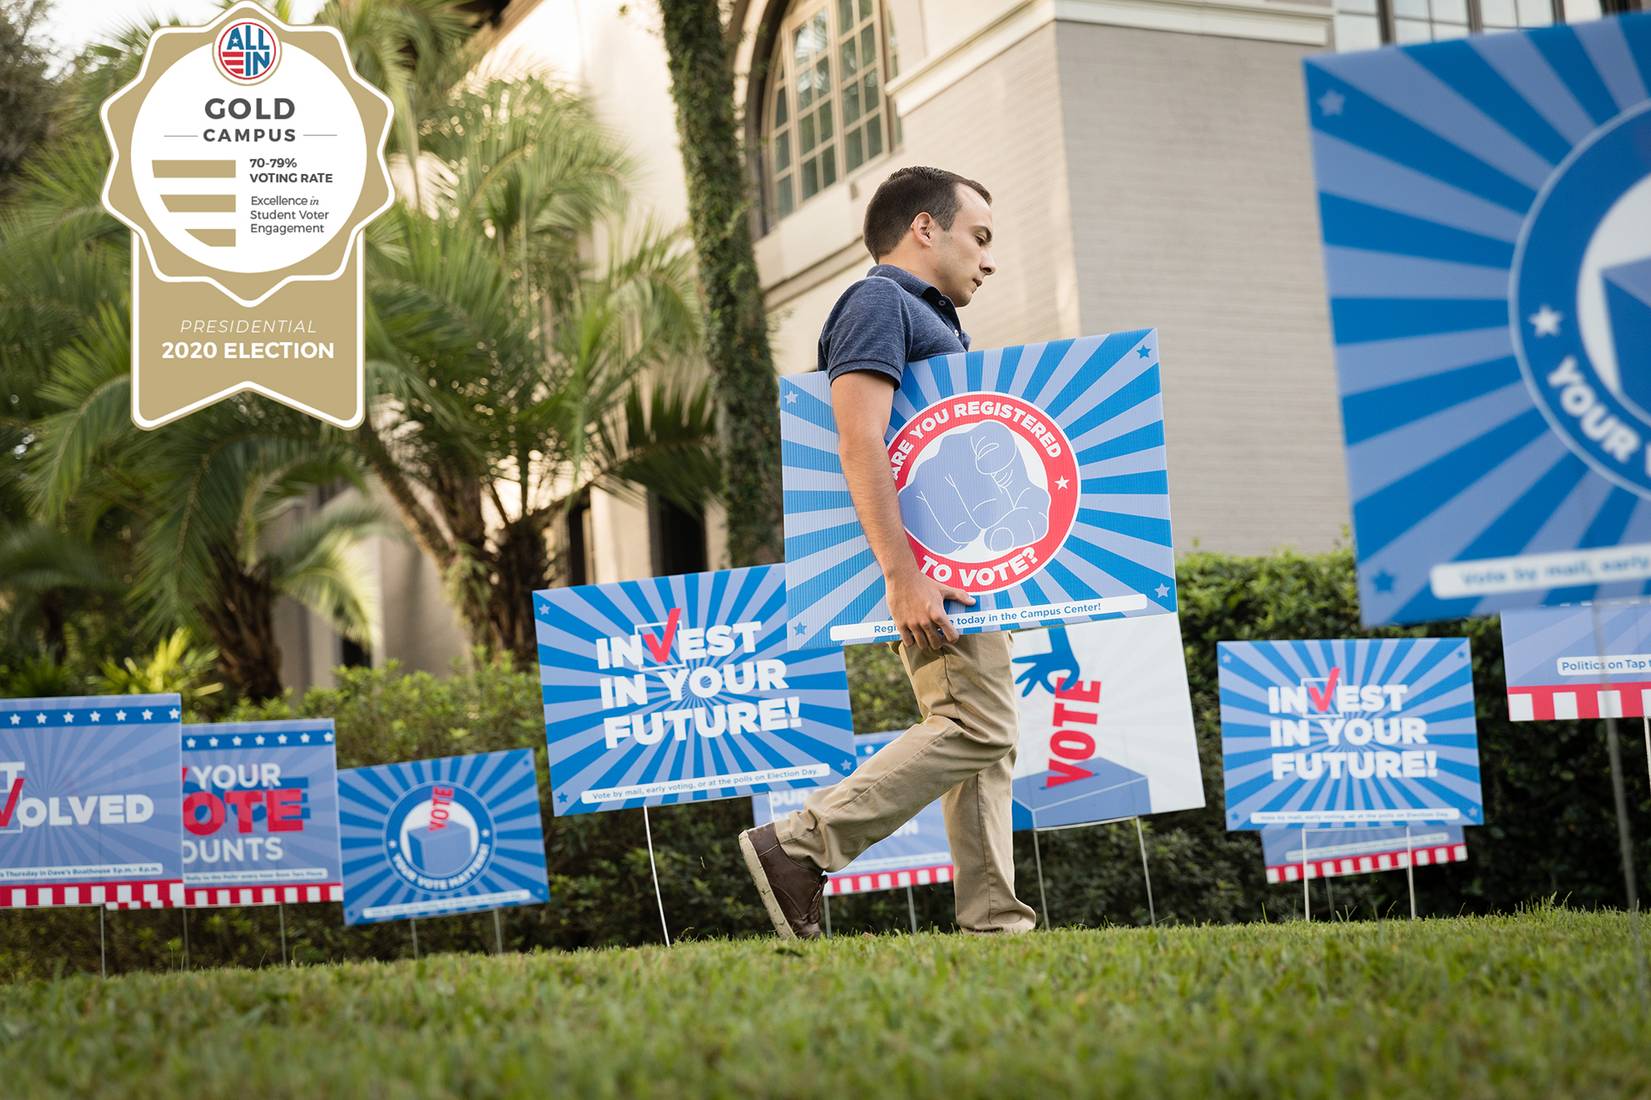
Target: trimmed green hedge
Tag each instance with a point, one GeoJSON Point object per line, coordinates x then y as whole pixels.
{"type": "Point", "coordinates": [1547, 791]}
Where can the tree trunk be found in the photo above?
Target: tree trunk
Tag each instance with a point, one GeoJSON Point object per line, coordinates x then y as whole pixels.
{"type": "Point", "coordinates": [523, 567]}
{"type": "Point", "coordinates": [702, 84]}
{"type": "Point", "coordinates": [242, 624]}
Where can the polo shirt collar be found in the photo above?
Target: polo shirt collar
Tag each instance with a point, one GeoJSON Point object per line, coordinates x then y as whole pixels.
{"type": "Point", "coordinates": [910, 283]}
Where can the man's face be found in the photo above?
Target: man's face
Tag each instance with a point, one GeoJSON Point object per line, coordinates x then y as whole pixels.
{"type": "Point", "coordinates": [963, 253]}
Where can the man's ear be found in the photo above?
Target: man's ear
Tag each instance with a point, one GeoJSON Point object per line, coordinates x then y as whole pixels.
{"type": "Point", "coordinates": [923, 226]}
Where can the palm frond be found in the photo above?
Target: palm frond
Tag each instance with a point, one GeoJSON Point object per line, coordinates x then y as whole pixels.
{"type": "Point", "coordinates": [313, 565]}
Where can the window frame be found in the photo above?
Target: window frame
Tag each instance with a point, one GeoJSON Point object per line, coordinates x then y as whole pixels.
{"type": "Point", "coordinates": [780, 79]}
{"type": "Point", "coordinates": [1387, 21]}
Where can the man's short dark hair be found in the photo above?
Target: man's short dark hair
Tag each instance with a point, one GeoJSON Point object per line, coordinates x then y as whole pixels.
{"type": "Point", "coordinates": [906, 194]}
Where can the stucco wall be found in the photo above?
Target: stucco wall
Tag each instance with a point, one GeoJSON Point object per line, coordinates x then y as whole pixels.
{"type": "Point", "coordinates": [1194, 211]}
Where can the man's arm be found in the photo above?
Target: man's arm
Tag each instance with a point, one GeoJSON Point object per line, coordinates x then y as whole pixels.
{"type": "Point", "coordinates": [862, 402]}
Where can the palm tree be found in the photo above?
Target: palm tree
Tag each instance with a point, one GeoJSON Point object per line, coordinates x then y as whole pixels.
{"type": "Point", "coordinates": [198, 500]}
{"type": "Point", "coordinates": [210, 497]}
{"type": "Point", "coordinates": [515, 374]}
{"type": "Point", "coordinates": [510, 373]}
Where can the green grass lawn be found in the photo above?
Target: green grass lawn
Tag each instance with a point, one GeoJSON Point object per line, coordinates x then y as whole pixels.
{"type": "Point", "coordinates": [1542, 1004]}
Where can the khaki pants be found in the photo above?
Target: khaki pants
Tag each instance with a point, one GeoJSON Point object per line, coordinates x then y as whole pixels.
{"type": "Point", "coordinates": [962, 752]}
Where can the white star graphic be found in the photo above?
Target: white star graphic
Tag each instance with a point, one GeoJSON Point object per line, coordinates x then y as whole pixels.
{"type": "Point", "coordinates": [120, 716]}
{"type": "Point", "coordinates": [1332, 102]}
{"type": "Point", "coordinates": [1162, 590]}
{"type": "Point", "coordinates": [328, 738]}
{"type": "Point", "coordinates": [1062, 483]}
{"type": "Point", "coordinates": [16, 718]}
{"type": "Point", "coordinates": [282, 739]}
{"type": "Point", "coordinates": [213, 741]}
{"type": "Point", "coordinates": [97, 716]}
{"type": "Point", "coordinates": [173, 713]}
{"type": "Point", "coordinates": [40, 718]}
{"type": "Point", "coordinates": [259, 739]}
{"type": "Point", "coordinates": [304, 737]}
{"type": "Point", "coordinates": [791, 398]}
{"type": "Point", "coordinates": [68, 718]}
{"type": "Point", "coordinates": [189, 742]}
{"type": "Point", "coordinates": [236, 741]}
{"type": "Point", "coordinates": [148, 714]}
{"type": "Point", "coordinates": [1546, 321]}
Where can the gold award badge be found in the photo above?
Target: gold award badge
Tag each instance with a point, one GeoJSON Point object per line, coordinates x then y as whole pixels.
{"type": "Point", "coordinates": [248, 159]}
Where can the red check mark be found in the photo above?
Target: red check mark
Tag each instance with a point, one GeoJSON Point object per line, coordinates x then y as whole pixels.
{"type": "Point", "coordinates": [660, 647]}
{"type": "Point", "coordinates": [11, 802]}
{"type": "Point", "coordinates": [1321, 700]}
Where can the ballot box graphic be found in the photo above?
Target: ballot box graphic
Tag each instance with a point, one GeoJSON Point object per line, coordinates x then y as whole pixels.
{"type": "Point", "coordinates": [1111, 791]}
{"type": "Point", "coordinates": [441, 850]}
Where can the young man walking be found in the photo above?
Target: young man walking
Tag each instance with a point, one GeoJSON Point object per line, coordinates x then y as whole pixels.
{"type": "Point", "coordinates": [930, 233]}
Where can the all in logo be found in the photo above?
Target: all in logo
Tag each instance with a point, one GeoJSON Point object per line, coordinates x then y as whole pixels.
{"type": "Point", "coordinates": [1581, 300]}
{"type": "Point", "coordinates": [439, 837]}
{"type": "Point", "coordinates": [988, 489]}
{"type": "Point", "coordinates": [246, 51]}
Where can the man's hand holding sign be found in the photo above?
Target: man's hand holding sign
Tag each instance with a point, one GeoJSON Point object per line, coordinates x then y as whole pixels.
{"type": "Point", "coordinates": [862, 401]}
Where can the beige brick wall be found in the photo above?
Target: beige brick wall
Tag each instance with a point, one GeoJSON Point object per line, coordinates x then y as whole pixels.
{"type": "Point", "coordinates": [1002, 126]}
{"type": "Point", "coordinates": [1193, 211]}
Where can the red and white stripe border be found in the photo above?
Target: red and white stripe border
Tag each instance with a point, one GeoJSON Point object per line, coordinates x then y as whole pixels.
{"type": "Point", "coordinates": [1366, 864]}
{"type": "Point", "coordinates": [1557, 702]}
{"type": "Point", "coordinates": [888, 880]}
{"type": "Point", "coordinates": [218, 897]}
{"type": "Point", "coordinates": [144, 894]}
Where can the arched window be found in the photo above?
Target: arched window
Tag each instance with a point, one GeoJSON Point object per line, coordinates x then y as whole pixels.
{"type": "Point", "coordinates": [825, 114]}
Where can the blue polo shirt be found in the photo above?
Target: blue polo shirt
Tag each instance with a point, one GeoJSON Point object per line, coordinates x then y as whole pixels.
{"type": "Point", "coordinates": [886, 320]}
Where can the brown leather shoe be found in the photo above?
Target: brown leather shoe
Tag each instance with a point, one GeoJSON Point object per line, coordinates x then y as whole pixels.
{"type": "Point", "coordinates": [791, 890]}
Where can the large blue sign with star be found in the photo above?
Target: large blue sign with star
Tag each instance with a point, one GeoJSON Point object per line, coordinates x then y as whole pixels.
{"type": "Point", "coordinates": [1031, 477]}
{"type": "Point", "coordinates": [1350, 733]}
{"type": "Point", "coordinates": [684, 689]}
{"type": "Point", "coordinates": [1486, 211]}
{"type": "Point", "coordinates": [90, 801]}
{"type": "Point", "coordinates": [430, 838]}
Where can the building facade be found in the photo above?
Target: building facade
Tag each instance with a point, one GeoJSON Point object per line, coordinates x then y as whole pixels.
{"type": "Point", "coordinates": [1149, 166]}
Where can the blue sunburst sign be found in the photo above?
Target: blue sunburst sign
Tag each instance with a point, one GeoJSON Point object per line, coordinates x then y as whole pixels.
{"type": "Point", "coordinates": [260, 813]}
{"type": "Point", "coordinates": [684, 689]}
{"type": "Point", "coordinates": [1486, 212]}
{"type": "Point", "coordinates": [431, 838]}
{"type": "Point", "coordinates": [90, 802]}
{"type": "Point", "coordinates": [1350, 733]}
{"type": "Point", "coordinates": [1032, 477]}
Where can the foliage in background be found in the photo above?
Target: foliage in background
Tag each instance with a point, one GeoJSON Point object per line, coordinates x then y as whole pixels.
{"type": "Point", "coordinates": [26, 89]}
{"type": "Point", "coordinates": [189, 525]}
{"type": "Point", "coordinates": [1547, 789]}
{"type": "Point", "coordinates": [507, 376]}
{"type": "Point", "coordinates": [719, 205]}
{"type": "Point", "coordinates": [176, 666]}
{"type": "Point", "coordinates": [515, 375]}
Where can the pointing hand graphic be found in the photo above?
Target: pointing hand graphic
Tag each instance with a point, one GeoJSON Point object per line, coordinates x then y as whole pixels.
{"type": "Point", "coordinates": [975, 487]}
